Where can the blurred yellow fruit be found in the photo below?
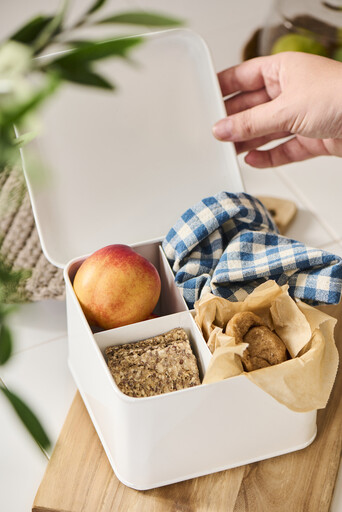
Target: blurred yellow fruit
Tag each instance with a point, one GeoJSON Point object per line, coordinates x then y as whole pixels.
{"type": "Point", "coordinates": [337, 55]}
{"type": "Point", "coordinates": [298, 43]}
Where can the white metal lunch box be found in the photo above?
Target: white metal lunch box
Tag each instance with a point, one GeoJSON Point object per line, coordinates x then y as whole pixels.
{"type": "Point", "coordinates": [122, 167]}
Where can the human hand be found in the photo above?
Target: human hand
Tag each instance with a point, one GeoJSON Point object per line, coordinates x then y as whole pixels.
{"type": "Point", "coordinates": [277, 96]}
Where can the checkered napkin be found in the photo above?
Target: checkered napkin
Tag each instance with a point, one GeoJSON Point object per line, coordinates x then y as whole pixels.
{"type": "Point", "coordinates": [228, 244]}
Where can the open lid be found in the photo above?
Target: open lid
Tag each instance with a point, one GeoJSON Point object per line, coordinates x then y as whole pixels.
{"type": "Point", "coordinates": [124, 165]}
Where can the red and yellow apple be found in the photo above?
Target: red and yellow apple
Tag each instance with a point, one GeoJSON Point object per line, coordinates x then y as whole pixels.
{"type": "Point", "coordinates": [117, 286]}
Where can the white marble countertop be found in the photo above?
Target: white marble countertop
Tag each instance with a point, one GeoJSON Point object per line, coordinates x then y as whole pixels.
{"type": "Point", "coordinates": [38, 370]}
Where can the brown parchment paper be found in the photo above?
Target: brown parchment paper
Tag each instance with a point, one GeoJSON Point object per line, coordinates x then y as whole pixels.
{"type": "Point", "coordinates": [305, 380]}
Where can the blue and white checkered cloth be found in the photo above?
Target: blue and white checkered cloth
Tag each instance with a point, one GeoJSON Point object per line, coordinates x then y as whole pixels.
{"type": "Point", "coordinates": [228, 244]}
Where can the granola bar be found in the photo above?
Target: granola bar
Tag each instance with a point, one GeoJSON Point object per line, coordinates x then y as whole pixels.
{"type": "Point", "coordinates": [154, 366]}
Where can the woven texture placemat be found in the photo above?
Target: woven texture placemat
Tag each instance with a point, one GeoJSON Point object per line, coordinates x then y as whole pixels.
{"type": "Point", "coordinates": [19, 241]}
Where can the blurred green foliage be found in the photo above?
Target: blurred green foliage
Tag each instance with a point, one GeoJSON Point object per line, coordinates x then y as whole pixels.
{"type": "Point", "coordinates": [26, 82]}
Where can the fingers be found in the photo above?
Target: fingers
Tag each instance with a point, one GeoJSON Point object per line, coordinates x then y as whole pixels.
{"type": "Point", "coordinates": [247, 76]}
{"type": "Point", "coordinates": [246, 100]}
{"type": "Point", "coordinates": [293, 150]}
{"type": "Point", "coordinates": [252, 123]}
{"type": "Point", "coordinates": [242, 147]}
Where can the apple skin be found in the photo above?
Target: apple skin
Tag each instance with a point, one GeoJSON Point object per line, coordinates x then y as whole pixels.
{"type": "Point", "coordinates": [116, 286]}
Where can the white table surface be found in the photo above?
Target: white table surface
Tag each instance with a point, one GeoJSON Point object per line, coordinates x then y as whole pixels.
{"type": "Point", "coordinates": [38, 370]}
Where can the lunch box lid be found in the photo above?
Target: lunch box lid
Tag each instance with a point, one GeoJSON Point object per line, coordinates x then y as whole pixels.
{"type": "Point", "coordinates": [122, 166]}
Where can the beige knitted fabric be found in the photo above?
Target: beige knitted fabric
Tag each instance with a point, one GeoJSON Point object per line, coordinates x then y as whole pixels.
{"type": "Point", "coordinates": [19, 241]}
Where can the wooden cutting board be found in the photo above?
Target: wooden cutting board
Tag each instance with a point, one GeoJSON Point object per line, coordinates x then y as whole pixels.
{"type": "Point", "coordinates": [79, 478]}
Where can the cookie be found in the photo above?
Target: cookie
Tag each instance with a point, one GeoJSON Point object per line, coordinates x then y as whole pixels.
{"type": "Point", "coordinates": [265, 348]}
{"type": "Point", "coordinates": [240, 324]}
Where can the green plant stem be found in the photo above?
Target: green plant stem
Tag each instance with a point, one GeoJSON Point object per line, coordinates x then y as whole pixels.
{"type": "Point", "coordinates": [46, 35]}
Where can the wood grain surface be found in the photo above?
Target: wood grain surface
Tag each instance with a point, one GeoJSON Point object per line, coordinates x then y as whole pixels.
{"type": "Point", "coordinates": [79, 478]}
{"type": "Point", "coordinates": [282, 211]}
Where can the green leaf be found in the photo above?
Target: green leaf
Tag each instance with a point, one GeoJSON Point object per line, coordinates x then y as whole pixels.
{"type": "Point", "coordinates": [95, 7]}
{"type": "Point", "coordinates": [16, 113]}
{"type": "Point", "coordinates": [53, 27]}
{"type": "Point", "coordinates": [5, 344]}
{"type": "Point", "coordinates": [24, 139]}
{"type": "Point", "coordinates": [78, 43]}
{"type": "Point", "coordinates": [28, 418]}
{"type": "Point", "coordinates": [148, 19]}
{"type": "Point", "coordinates": [30, 31]}
{"type": "Point", "coordinates": [95, 51]}
{"type": "Point", "coordinates": [84, 76]}
{"type": "Point", "coordinates": [10, 285]}
{"type": "Point", "coordinates": [6, 309]}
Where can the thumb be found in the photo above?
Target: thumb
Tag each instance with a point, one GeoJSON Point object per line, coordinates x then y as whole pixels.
{"type": "Point", "coordinates": [254, 122]}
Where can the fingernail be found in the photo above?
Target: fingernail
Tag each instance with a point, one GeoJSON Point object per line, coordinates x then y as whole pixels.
{"type": "Point", "coordinates": [223, 129]}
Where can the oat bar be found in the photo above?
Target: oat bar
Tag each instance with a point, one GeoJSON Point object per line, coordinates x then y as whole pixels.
{"type": "Point", "coordinates": [154, 366]}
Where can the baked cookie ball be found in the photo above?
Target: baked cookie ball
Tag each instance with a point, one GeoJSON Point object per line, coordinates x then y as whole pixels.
{"type": "Point", "coordinates": [264, 349]}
